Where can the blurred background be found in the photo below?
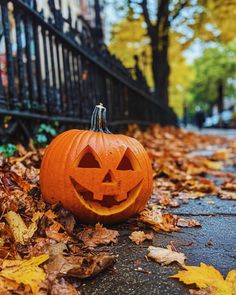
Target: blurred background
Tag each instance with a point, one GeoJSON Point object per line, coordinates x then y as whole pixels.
{"type": "Point", "coordinates": [194, 44]}
{"type": "Point", "coordinates": [165, 61]}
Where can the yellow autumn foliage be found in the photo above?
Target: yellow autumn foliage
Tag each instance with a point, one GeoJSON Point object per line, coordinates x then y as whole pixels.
{"type": "Point", "coordinates": [206, 276]}
{"type": "Point", "coordinates": [27, 272]}
{"type": "Point", "coordinates": [129, 38]}
{"type": "Point", "coordinates": [20, 231]}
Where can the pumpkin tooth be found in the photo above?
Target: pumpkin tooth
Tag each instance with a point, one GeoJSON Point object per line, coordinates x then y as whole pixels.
{"type": "Point", "coordinates": [121, 197]}
{"type": "Point", "coordinates": [98, 196]}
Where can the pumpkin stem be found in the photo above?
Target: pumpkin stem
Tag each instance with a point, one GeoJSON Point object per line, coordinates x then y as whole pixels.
{"type": "Point", "coordinates": [98, 120]}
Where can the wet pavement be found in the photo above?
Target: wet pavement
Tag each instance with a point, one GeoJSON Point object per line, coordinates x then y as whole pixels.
{"type": "Point", "coordinates": [213, 243]}
{"type": "Point", "coordinates": [214, 131]}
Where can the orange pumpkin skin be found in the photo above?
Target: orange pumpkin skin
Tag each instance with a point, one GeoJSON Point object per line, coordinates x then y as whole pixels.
{"type": "Point", "coordinates": [99, 177]}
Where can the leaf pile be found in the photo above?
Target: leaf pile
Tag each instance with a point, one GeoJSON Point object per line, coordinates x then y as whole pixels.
{"type": "Point", "coordinates": [44, 249]}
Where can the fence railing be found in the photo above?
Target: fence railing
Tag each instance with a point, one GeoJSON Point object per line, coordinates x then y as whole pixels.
{"type": "Point", "coordinates": [52, 70]}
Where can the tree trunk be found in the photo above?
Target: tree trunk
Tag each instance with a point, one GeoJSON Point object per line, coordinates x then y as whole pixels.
{"type": "Point", "coordinates": [220, 96]}
{"type": "Point", "coordinates": [160, 43]}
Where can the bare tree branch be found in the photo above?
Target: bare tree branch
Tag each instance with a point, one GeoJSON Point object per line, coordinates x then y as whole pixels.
{"type": "Point", "coordinates": [146, 15]}
{"type": "Point", "coordinates": [177, 10]}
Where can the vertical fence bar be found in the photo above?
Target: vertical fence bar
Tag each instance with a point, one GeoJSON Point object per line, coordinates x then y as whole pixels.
{"type": "Point", "coordinates": [67, 81]}
{"type": "Point", "coordinates": [3, 103]}
{"type": "Point", "coordinates": [30, 73]}
{"type": "Point", "coordinates": [54, 102]}
{"type": "Point", "coordinates": [20, 62]}
{"type": "Point", "coordinates": [59, 67]}
{"type": "Point", "coordinates": [47, 82]}
{"type": "Point", "coordinates": [40, 100]}
{"type": "Point", "coordinates": [9, 55]}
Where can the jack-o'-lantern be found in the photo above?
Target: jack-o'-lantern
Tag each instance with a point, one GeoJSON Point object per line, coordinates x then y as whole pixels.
{"type": "Point", "coordinates": [99, 176]}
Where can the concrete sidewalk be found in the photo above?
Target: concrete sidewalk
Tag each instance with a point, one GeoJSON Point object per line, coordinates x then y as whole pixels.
{"type": "Point", "coordinates": [213, 243]}
{"type": "Point", "coordinates": [213, 131]}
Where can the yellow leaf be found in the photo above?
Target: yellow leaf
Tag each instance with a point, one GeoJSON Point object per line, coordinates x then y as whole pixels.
{"type": "Point", "coordinates": [206, 276]}
{"type": "Point", "coordinates": [17, 226]}
{"type": "Point", "coordinates": [213, 165]}
{"type": "Point", "coordinates": [27, 272]}
{"type": "Point", "coordinates": [20, 231]}
{"type": "Point", "coordinates": [231, 278]}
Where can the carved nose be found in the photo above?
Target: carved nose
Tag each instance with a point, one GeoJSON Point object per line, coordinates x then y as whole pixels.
{"type": "Point", "coordinates": [108, 177]}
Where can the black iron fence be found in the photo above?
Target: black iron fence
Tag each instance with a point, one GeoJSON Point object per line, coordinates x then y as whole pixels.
{"type": "Point", "coordinates": [52, 69]}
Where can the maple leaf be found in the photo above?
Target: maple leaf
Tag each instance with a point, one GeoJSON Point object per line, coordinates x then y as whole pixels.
{"type": "Point", "coordinates": [206, 276]}
{"type": "Point", "coordinates": [227, 195]}
{"type": "Point", "coordinates": [63, 287]}
{"type": "Point", "coordinates": [159, 221]}
{"type": "Point", "coordinates": [27, 272]}
{"type": "Point", "coordinates": [100, 235]}
{"type": "Point", "coordinates": [187, 222]}
{"type": "Point", "coordinates": [78, 266]}
{"type": "Point", "coordinates": [165, 256]}
{"type": "Point", "coordinates": [139, 236]}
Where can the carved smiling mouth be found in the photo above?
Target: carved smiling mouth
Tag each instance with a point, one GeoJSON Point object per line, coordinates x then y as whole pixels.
{"type": "Point", "coordinates": [107, 202]}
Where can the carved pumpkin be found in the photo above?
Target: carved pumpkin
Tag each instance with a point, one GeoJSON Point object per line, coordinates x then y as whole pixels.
{"type": "Point", "coordinates": [97, 175]}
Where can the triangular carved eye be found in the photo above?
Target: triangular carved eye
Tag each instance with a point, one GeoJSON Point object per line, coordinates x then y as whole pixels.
{"type": "Point", "coordinates": [125, 164]}
{"type": "Point", "coordinates": [88, 161]}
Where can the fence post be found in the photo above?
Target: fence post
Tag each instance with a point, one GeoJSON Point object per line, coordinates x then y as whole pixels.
{"type": "Point", "coordinates": [14, 102]}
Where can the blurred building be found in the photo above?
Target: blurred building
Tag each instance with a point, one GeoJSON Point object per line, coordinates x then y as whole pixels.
{"type": "Point", "coordinates": [89, 10]}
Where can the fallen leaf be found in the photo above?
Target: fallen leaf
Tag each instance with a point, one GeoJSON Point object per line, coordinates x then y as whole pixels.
{"type": "Point", "coordinates": [98, 236]}
{"type": "Point", "coordinates": [159, 221]}
{"type": "Point", "coordinates": [213, 165]}
{"type": "Point", "coordinates": [206, 276]}
{"type": "Point", "coordinates": [7, 287]}
{"type": "Point", "coordinates": [187, 222]}
{"type": "Point", "coordinates": [78, 266]}
{"type": "Point", "coordinates": [27, 272]}
{"type": "Point", "coordinates": [139, 236]}
{"type": "Point", "coordinates": [60, 287]}
{"type": "Point", "coordinates": [227, 195]}
{"type": "Point", "coordinates": [221, 154]}
{"type": "Point", "coordinates": [52, 232]}
{"type": "Point", "coordinates": [206, 291]}
{"type": "Point", "coordinates": [165, 256]}
{"type": "Point", "coordinates": [20, 231]}
{"type": "Point", "coordinates": [228, 185]}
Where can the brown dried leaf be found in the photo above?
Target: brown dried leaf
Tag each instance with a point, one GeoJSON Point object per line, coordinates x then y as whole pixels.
{"type": "Point", "coordinates": [187, 222]}
{"type": "Point", "coordinates": [138, 237]}
{"type": "Point", "coordinates": [52, 232]}
{"type": "Point", "coordinates": [221, 154]}
{"type": "Point", "coordinates": [207, 291]}
{"type": "Point", "coordinates": [60, 287]}
{"type": "Point", "coordinates": [228, 185]}
{"type": "Point", "coordinates": [78, 266]}
{"type": "Point", "coordinates": [98, 236]}
{"type": "Point", "coordinates": [227, 195]}
{"type": "Point", "coordinates": [160, 221]}
{"type": "Point", "coordinates": [165, 256]}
